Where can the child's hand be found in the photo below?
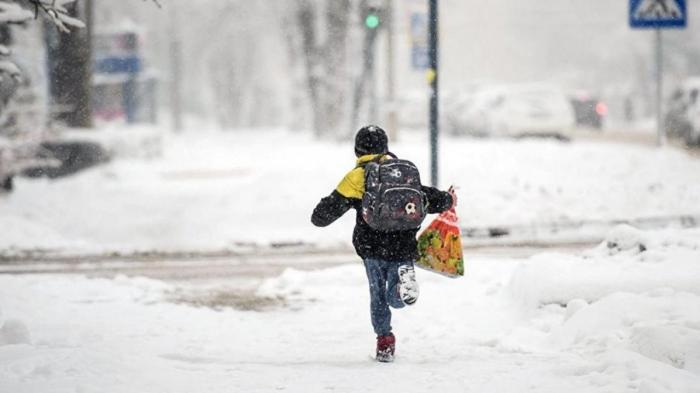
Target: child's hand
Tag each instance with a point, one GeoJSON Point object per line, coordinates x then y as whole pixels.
{"type": "Point", "coordinates": [452, 192]}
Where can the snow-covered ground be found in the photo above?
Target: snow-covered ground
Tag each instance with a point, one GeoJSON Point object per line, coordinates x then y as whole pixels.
{"type": "Point", "coordinates": [214, 190]}
{"type": "Point", "coordinates": [622, 317]}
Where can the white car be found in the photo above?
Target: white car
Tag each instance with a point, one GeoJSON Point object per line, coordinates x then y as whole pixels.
{"type": "Point", "coordinates": [517, 110]}
{"type": "Point", "coordinates": [454, 109]}
{"type": "Point", "coordinates": [412, 108]}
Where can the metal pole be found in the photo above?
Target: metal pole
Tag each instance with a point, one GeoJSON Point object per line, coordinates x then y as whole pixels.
{"type": "Point", "coordinates": [373, 111]}
{"type": "Point", "coordinates": [176, 85]}
{"type": "Point", "coordinates": [175, 72]}
{"type": "Point", "coordinates": [660, 132]}
{"type": "Point", "coordinates": [433, 78]}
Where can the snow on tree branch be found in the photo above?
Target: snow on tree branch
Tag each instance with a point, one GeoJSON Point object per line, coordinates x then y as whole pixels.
{"type": "Point", "coordinates": [10, 68]}
{"type": "Point", "coordinates": [13, 13]}
{"type": "Point", "coordinates": [56, 12]}
{"type": "Point", "coordinates": [22, 11]}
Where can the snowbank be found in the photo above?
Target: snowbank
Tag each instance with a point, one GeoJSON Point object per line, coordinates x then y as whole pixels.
{"type": "Point", "coordinates": [628, 305]}
{"type": "Point", "coordinates": [308, 286]}
{"type": "Point", "coordinates": [663, 325]}
{"type": "Point", "coordinates": [120, 142]}
{"type": "Point", "coordinates": [652, 338]}
{"type": "Point", "coordinates": [627, 261]}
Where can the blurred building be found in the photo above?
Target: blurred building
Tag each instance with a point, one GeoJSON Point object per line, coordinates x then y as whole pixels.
{"type": "Point", "coordinates": [123, 88]}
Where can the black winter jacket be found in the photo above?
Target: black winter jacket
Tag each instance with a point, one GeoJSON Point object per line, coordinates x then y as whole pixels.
{"type": "Point", "coordinates": [370, 243]}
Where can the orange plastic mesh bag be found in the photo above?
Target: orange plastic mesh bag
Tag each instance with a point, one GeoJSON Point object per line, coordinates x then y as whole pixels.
{"type": "Point", "coordinates": [440, 246]}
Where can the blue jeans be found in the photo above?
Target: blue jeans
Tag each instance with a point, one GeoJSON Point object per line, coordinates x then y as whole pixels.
{"type": "Point", "coordinates": [383, 279]}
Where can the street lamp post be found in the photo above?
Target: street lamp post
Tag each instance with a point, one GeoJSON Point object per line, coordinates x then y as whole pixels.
{"type": "Point", "coordinates": [433, 79]}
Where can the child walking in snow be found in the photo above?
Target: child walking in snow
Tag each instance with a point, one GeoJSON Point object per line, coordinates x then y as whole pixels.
{"type": "Point", "coordinates": [388, 255]}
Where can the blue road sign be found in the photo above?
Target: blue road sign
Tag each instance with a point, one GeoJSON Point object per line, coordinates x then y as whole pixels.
{"type": "Point", "coordinates": [419, 41]}
{"type": "Point", "coordinates": [658, 13]}
{"type": "Point", "coordinates": [420, 59]}
{"type": "Point", "coordinates": [118, 65]}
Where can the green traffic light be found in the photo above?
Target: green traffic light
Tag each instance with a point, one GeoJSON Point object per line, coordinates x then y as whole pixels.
{"type": "Point", "coordinates": [372, 21]}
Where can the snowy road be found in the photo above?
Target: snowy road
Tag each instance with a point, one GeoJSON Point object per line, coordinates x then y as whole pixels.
{"type": "Point", "coordinates": [253, 265]}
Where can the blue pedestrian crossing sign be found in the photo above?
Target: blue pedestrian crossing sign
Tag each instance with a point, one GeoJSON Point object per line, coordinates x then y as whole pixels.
{"type": "Point", "coordinates": [658, 13]}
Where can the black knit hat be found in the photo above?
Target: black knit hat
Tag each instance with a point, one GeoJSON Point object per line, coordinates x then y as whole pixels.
{"type": "Point", "coordinates": [371, 140]}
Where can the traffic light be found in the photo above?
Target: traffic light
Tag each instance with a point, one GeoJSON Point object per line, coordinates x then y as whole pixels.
{"type": "Point", "coordinates": [372, 18]}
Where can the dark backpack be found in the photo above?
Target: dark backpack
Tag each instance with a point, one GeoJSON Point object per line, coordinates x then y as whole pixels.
{"type": "Point", "coordinates": [393, 199]}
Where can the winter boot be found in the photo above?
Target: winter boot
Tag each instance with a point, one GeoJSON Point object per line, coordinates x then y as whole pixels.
{"type": "Point", "coordinates": [385, 348]}
{"type": "Point", "coordinates": [408, 286]}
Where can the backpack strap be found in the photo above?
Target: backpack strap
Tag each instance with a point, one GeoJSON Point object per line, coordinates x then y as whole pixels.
{"type": "Point", "coordinates": [377, 159]}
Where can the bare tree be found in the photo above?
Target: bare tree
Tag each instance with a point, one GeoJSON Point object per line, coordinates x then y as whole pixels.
{"type": "Point", "coordinates": [72, 69]}
{"type": "Point", "coordinates": [325, 61]}
{"type": "Point", "coordinates": [257, 65]}
{"type": "Point", "coordinates": [14, 156]}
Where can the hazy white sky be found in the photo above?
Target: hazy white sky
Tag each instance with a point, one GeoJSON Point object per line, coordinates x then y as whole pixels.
{"type": "Point", "coordinates": [577, 42]}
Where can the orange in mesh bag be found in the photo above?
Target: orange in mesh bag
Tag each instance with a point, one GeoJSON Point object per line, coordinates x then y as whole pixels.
{"type": "Point", "coordinates": [440, 246]}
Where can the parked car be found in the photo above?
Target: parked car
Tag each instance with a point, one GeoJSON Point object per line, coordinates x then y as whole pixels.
{"type": "Point", "coordinates": [412, 109]}
{"type": "Point", "coordinates": [6, 173]}
{"type": "Point", "coordinates": [589, 111]}
{"type": "Point", "coordinates": [682, 118]}
{"type": "Point", "coordinates": [18, 156]}
{"type": "Point", "coordinates": [60, 158]}
{"type": "Point", "coordinates": [52, 159]}
{"type": "Point", "coordinates": [455, 109]}
{"type": "Point", "coordinates": [517, 111]}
